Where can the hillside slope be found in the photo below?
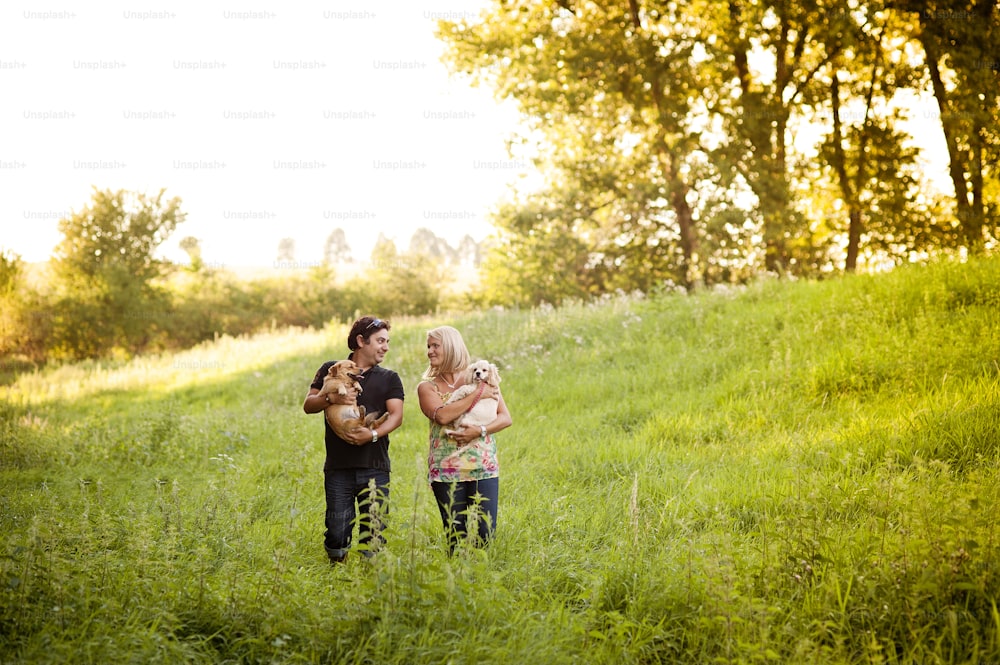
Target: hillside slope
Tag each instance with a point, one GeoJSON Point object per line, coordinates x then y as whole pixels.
{"type": "Point", "coordinates": [790, 472]}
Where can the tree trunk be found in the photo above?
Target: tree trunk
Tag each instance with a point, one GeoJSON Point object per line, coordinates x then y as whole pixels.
{"type": "Point", "coordinates": [847, 188]}
{"type": "Point", "coordinates": [973, 226]}
{"type": "Point", "coordinates": [678, 187]}
{"type": "Point", "coordinates": [965, 210]}
{"type": "Point", "coordinates": [685, 223]}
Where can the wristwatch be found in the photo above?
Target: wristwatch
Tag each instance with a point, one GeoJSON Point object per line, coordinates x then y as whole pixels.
{"type": "Point", "coordinates": [482, 428]}
{"type": "Point", "coordinates": [374, 435]}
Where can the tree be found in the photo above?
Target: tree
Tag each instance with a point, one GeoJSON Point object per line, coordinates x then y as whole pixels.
{"type": "Point", "coordinates": [469, 253]}
{"type": "Point", "coordinates": [12, 324]}
{"type": "Point", "coordinates": [396, 283]}
{"type": "Point", "coordinates": [286, 250]}
{"type": "Point", "coordinates": [11, 273]}
{"type": "Point", "coordinates": [872, 162]}
{"type": "Point", "coordinates": [426, 243]}
{"type": "Point", "coordinates": [336, 249]}
{"type": "Point", "coordinates": [609, 88]}
{"type": "Point", "coordinates": [192, 247]}
{"type": "Point", "coordinates": [24, 322]}
{"type": "Point", "coordinates": [961, 40]}
{"type": "Point", "coordinates": [680, 140]}
{"type": "Point", "coordinates": [104, 271]}
{"type": "Point", "coordinates": [540, 259]}
{"type": "Point", "coordinates": [768, 57]}
{"type": "Point", "coordinates": [117, 231]}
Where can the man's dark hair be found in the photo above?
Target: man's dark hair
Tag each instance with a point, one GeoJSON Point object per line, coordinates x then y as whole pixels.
{"type": "Point", "coordinates": [365, 326]}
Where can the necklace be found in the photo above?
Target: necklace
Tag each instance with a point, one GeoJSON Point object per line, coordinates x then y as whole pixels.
{"type": "Point", "coordinates": [450, 385]}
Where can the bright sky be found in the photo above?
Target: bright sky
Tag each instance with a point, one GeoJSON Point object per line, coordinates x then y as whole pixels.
{"type": "Point", "coordinates": [267, 120]}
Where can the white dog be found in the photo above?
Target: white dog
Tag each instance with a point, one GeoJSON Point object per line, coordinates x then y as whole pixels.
{"type": "Point", "coordinates": [480, 375]}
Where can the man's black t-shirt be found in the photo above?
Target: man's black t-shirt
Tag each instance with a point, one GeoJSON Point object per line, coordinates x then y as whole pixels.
{"type": "Point", "coordinates": [377, 386]}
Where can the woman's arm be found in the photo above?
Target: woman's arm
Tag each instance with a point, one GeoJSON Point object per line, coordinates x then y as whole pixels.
{"type": "Point", "coordinates": [436, 410]}
{"type": "Point", "coordinates": [470, 433]}
{"type": "Point", "coordinates": [503, 419]}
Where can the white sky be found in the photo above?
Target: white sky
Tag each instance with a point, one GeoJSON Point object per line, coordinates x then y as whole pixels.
{"type": "Point", "coordinates": [267, 120]}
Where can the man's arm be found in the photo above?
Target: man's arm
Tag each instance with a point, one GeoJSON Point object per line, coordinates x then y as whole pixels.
{"type": "Point", "coordinates": [395, 419]}
{"type": "Point", "coordinates": [314, 402]}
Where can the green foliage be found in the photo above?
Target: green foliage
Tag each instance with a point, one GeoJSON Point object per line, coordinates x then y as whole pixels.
{"type": "Point", "coordinates": [105, 272]}
{"type": "Point", "coordinates": [115, 234]}
{"type": "Point", "coordinates": [541, 261]}
{"type": "Point", "coordinates": [25, 325]}
{"type": "Point", "coordinates": [11, 273]}
{"type": "Point", "coordinates": [786, 472]}
{"type": "Point", "coordinates": [879, 206]}
{"type": "Point", "coordinates": [704, 143]}
{"type": "Point", "coordinates": [110, 298]}
{"type": "Point", "coordinates": [620, 148]}
{"type": "Point", "coordinates": [408, 283]}
{"type": "Point", "coordinates": [192, 247]}
{"type": "Point", "coordinates": [960, 41]}
{"type": "Point", "coordinates": [12, 325]}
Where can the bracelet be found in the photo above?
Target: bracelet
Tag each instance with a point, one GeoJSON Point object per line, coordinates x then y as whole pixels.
{"type": "Point", "coordinates": [374, 435]}
{"type": "Point", "coordinates": [434, 416]}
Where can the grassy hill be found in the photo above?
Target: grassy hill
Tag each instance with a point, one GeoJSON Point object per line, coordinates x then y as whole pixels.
{"type": "Point", "coordinates": [798, 472]}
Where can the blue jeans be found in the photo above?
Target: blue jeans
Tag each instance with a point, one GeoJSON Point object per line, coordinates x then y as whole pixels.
{"type": "Point", "coordinates": [347, 494]}
{"type": "Point", "coordinates": [455, 501]}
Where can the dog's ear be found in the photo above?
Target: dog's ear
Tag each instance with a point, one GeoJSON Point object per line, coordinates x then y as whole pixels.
{"type": "Point", "coordinates": [494, 375]}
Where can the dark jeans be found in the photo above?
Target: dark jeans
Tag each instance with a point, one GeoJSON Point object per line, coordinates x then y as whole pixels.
{"type": "Point", "coordinates": [461, 503]}
{"type": "Point", "coordinates": [345, 488]}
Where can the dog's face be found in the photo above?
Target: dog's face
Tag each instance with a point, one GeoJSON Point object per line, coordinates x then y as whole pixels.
{"type": "Point", "coordinates": [483, 371]}
{"type": "Point", "coordinates": [345, 369]}
{"type": "Point", "coordinates": [341, 375]}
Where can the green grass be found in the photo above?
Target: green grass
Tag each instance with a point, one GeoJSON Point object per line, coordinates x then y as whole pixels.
{"type": "Point", "coordinates": [800, 472]}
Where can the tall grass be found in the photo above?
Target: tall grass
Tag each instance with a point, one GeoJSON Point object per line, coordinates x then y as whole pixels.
{"type": "Point", "coordinates": [791, 472]}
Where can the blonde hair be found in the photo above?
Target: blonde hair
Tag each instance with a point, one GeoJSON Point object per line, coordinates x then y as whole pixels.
{"type": "Point", "coordinates": [454, 356]}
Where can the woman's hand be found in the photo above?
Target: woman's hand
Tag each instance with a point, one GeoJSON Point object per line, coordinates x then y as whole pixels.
{"type": "Point", "coordinates": [467, 434]}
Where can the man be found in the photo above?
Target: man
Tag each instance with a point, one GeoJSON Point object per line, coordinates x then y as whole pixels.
{"type": "Point", "coordinates": [353, 466]}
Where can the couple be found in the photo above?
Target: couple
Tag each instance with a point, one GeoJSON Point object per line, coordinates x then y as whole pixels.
{"type": "Point", "coordinates": [356, 472]}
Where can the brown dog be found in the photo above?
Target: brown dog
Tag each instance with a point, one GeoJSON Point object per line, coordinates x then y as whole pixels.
{"type": "Point", "coordinates": [344, 418]}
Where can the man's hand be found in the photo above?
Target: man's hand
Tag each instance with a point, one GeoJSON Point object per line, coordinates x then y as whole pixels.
{"type": "Point", "coordinates": [359, 436]}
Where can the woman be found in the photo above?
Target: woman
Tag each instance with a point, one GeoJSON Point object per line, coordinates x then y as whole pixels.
{"type": "Point", "coordinates": [466, 485]}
